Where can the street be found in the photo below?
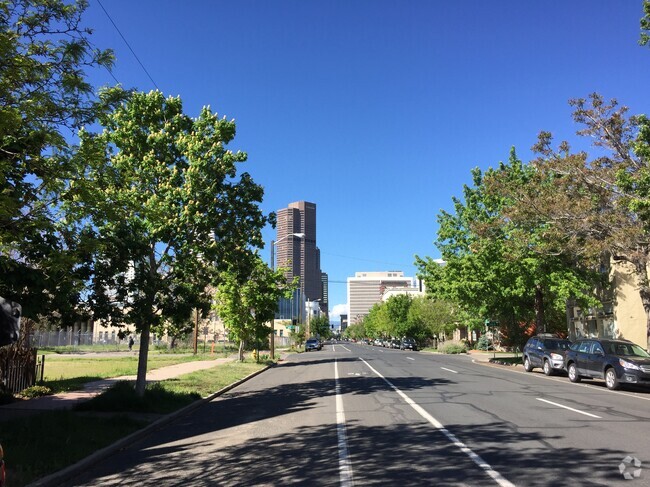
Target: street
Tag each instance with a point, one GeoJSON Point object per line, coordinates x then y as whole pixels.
{"type": "Point", "coordinates": [360, 415]}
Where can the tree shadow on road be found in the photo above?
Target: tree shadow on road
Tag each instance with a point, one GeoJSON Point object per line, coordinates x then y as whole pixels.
{"type": "Point", "coordinates": [404, 454]}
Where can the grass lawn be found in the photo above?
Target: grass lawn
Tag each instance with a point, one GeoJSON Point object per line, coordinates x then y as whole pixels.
{"type": "Point", "coordinates": [39, 445]}
{"type": "Point", "coordinates": [66, 372]}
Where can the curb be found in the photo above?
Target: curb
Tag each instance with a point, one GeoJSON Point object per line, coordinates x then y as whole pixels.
{"type": "Point", "coordinates": [57, 478]}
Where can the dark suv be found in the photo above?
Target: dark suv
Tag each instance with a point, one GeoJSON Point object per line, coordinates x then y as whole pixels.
{"type": "Point", "coordinates": [408, 343]}
{"type": "Point", "coordinates": [616, 361]}
{"type": "Point", "coordinates": [546, 352]}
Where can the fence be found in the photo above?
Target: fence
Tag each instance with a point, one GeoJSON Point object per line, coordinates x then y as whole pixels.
{"type": "Point", "coordinates": [20, 368]}
{"type": "Point", "coordinates": [69, 338]}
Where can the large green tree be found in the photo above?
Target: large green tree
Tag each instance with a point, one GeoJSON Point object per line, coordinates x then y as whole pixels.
{"type": "Point", "coordinates": [320, 326]}
{"type": "Point", "coordinates": [44, 99]}
{"type": "Point", "coordinates": [594, 208]}
{"type": "Point", "coordinates": [246, 301]}
{"type": "Point", "coordinates": [494, 268]}
{"type": "Point", "coordinates": [430, 318]}
{"type": "Point", "coordinates": [168, 210]}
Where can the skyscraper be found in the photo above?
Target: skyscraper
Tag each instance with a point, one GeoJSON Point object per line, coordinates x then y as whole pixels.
{"type": "Point", "coordinates": [300, 256]}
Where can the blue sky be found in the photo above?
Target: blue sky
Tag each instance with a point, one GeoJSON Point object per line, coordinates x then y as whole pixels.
{"type": "Point", "coordinates": [377, 110]}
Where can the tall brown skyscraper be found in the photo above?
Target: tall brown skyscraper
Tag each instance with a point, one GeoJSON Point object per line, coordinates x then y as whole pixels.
{"type": "Point", "coordinates": [300, 255]}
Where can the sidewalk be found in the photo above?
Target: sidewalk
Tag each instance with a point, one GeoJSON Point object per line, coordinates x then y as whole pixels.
{"type": "Point", "coordinates": [487, 356]}
{"type": "Point", "coordinates": [66, 400]}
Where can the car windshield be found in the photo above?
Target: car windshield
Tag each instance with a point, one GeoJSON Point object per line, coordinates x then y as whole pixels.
{"type": "Point", "coordinates": [557, 344]}
{"type": "Point", "coordinates": [627, 349]}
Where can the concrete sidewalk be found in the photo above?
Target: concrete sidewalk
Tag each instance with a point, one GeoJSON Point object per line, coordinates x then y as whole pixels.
{"type": "Point", "coordinates": [483, 356]}
{"type": "Point", "coordinates": [66, 400]}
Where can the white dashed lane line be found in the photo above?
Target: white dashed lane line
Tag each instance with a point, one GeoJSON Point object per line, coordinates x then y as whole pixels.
{"type": "Point", "coordinates": [569, 408]}
{"type": "Point", "coordinates": [449, 370]}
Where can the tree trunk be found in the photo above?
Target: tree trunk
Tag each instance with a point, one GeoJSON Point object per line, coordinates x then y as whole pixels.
{"type": "Point", "coordinates": [241, 350]}
{"type": "Point", "coordinates": [540, 322]}
{"type": "Point", "coordinates": [141, 381]}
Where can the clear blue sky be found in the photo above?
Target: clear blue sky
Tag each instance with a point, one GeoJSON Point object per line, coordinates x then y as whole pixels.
{"type": "Point", "coordinates": [377, 110]}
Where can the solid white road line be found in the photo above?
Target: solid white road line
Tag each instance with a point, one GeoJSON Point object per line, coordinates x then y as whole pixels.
{"type": "Point", "coordinates": [449, 370]}
{"type": "Point", "coordinates": [496, 476]}
{"type": "Point", "coordinates": [567, 407]}
{"type": "Point", "coordinates": [345, 468]}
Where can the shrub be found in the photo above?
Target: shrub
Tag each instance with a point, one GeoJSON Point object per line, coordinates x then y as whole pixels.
{"type": "Point", "coordinates": [35, 391]}
{"type": "Point", "coordinates": [484, 343]}
{"type": "Point", "coordinates": [452, 347]}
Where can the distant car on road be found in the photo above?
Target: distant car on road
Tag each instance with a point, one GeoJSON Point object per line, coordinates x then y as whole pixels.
{"type": "Point", "coordinates": [546, 352]}
{"type": "Point", "coordinates": [408, 343]}
{"type": "Point", "coordinates": [616, 361]}
{"type": "Point", "coordinates": [313, 344]}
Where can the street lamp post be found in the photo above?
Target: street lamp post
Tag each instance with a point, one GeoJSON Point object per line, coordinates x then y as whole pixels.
{"type": "Point", "coordinates": [273, 244]}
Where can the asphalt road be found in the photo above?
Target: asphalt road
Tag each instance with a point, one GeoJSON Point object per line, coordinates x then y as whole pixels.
{"type": "Point", "coordinates": [359, 415]}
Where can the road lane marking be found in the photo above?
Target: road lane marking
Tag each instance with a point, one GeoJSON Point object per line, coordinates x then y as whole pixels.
{"type": "Point", "coordinates": [345, 468]}
{"type": "Point", "coordinates": [410, 358]}
{"type": "Point", "coordinates": [496, 476]}
{"type": "Point", "coordinates": [449, 370]}
{"type": "Point", "coordinates": [567, 407]}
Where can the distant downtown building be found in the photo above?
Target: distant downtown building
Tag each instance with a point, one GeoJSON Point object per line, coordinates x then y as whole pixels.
{"type": "Point", "coordinates": [301, 256]}
{"type": "Point", "coordinates": [366, 289]}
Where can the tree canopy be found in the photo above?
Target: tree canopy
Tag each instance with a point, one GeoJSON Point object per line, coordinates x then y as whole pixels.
{"type": "Point", "coordinates": [44, 99]}
{"type": "Point", "coordinates": [166, 209]}
{"type": "Point", "coordinates": [496, 268]}
{"type": "Point", "coordinates": [246, 301]}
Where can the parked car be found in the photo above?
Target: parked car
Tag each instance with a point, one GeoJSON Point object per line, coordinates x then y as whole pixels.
{"type": "Point", "coordinates": [616, 361]}
{"type": "Point", "coordinates": [395, 344]}
{"type": "Point", "coordinates": [546, 352]}
{"type": "Point", "coordinates": [408, 343]}
{"type": "Point", "coordinates": [313, 344]}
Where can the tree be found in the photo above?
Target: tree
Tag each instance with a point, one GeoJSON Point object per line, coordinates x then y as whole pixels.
{"type": "Point", "coordinates": [320, 326]}
{"type": "Point", "coordinates": [494, 266]}
{"type": "Point", "coordinates": [377, 323]}
{"type": "Point", "coordinates": [355, 331]}
{"type": "Point", "coordinates": [167, 210]}
{"type": "Point", "coordinates": [644, 38]}
{"type": "Point", "coordinates": [429, 317]}
{"type": "Point", "coordinates": [44, 98]}
{"type": "Point", "coordinates": [595, 209]}
{"type": "Point", "coordinates": [247, 302]}
{"type": "Point", "coordinates": [397, 310]}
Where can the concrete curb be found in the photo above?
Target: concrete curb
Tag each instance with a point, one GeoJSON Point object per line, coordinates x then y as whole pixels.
{"type": "Point", "coordinates": [61, 476]}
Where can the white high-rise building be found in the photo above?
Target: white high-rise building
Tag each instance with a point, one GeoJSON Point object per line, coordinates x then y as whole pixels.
{"type": "Point", "coordinates": [365, 289]}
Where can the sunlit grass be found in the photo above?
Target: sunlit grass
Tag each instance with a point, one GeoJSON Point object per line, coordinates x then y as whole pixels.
{"type": "Point", "coordinates": [30, 454]}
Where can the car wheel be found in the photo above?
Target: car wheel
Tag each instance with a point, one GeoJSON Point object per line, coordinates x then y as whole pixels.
{"type": "Point", "coordinates": [527, 365]}
{"type": "Point", "coordinates": [573, 373]}
{"type": "Point", "coordinates": [611, 380]}
{"type": "Point", "coordinates": [548, 370]}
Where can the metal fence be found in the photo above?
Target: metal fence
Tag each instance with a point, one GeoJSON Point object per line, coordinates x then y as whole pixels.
{"type": "Point", "coordinates": [69, 338]}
